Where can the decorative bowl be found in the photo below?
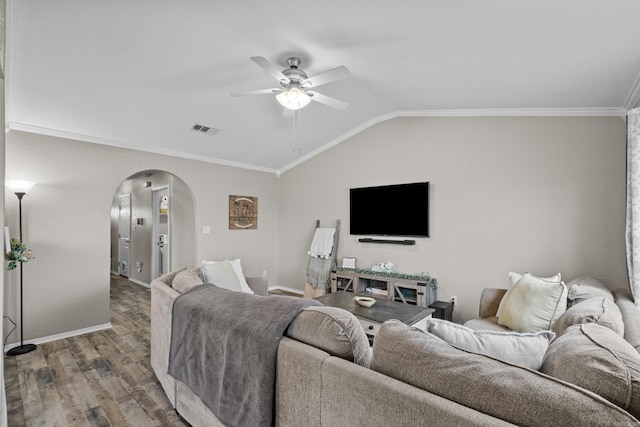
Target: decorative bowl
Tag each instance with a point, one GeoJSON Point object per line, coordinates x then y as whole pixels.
{"type": "Point", "coordinates": [365, 301]}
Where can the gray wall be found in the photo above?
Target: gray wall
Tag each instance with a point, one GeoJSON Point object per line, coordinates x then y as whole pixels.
{"type": "Point", "coordinates": [67, 223]}
{"type": "Point", "coordinates": [507, 194]}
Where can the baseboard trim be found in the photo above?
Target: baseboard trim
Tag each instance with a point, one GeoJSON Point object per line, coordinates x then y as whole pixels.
{"type": "Point", "coordinates": [284, 288]}
{"type": "Point", "coordinates": [139, 282]}
{"type": "Point", "coordinates": [61, 336]}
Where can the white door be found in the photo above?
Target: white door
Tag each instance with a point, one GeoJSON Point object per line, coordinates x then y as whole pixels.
{"type": "Point", "coordinates": [161, 245]}
{"type": "Point", "coordinates": [124, 235]}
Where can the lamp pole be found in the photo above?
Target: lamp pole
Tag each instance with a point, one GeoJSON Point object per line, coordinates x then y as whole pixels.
{"type": "Point", "coordinates": [22, 348]}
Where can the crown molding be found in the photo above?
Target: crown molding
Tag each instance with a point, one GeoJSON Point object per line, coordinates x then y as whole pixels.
{"type": "Point", "coordinates": [114, 143]}
{"type": "Point", "coordinates": [634, 95]}
{"type": "Point", "coordinates": [507, 112]}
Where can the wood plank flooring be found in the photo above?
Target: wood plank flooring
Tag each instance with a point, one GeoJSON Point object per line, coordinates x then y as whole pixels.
{"type": "Point", "coordinates": [102, 378]}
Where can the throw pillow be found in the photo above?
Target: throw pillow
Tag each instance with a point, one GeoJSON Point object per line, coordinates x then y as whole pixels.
{"type": "Point", "coordinates": [586, 287]}
{"type": "Point", "coordinates": [221, 274]}
{"type": "Point", "coordinates": [237, 268]}
{"type": "Point", "coordinates": [186, 280]}
{"type": "Point", "coordinates": [524, 349]}
{"type": "Point", "coordinates": [597, 359]}
{"type": "Point", "coordinates": [515, 278]}
{"type": "Point", "coordinates": [485, 384]}
{"type": "Point", "coordinates": [533, 305]}
{"type": "Point", "coordinates": [333, 330]}
{"type": "Point", "coordinates": [598, 310]}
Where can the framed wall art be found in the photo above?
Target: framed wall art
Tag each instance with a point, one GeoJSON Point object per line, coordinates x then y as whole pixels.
{"type": "Point", "coordinates": [243, 212]}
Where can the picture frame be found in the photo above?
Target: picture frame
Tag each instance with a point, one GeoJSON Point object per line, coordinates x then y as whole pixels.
{"type": "Point", "coordinates": [348, 262]}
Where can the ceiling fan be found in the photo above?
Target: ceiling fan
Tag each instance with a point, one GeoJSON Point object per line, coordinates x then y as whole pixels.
{"type": "Point", "coordinates": [297, 89]}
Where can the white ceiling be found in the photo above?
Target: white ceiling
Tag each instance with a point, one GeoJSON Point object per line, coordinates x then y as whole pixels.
{"type": "Point", "coordinates": [140, 73]}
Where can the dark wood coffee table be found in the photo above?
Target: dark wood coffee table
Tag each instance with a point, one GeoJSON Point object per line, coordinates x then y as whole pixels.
{"type": "Point", "coordinates": [371, 318]}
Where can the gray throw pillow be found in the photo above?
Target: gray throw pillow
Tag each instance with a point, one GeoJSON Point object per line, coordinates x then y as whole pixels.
{"type": "Point", "coordinates": [597, 359]}
{"type": "Point", "coordinates": [186, 280]}
{"type": "Point", "coordinates": [333, 330]}
{"type": "Point", "coordinates": [598, 310]}
{"type": "Point", "coordinates": [524, 349]}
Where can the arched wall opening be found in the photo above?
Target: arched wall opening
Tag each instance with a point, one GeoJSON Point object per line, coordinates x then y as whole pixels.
{"type": "Point", "coordinates": [142, 244]}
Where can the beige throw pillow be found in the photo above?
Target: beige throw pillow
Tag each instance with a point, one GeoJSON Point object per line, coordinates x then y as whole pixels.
{"type": "Point", "coordinates": [533, 305]}
{"type": "Point", "coordinates": [515, 278]}
{"type": "Point", "coordinates": [237, 268]}
{"type": "Point", "coordinates": [523, 349]}
{"type": "Point", "coordinates": [221, 274]}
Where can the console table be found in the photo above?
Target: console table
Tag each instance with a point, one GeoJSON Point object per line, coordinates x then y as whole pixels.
{"type": "Point", "coordinates": [416, 290]}
{"type": "Point", "coordinates": [372, 317]}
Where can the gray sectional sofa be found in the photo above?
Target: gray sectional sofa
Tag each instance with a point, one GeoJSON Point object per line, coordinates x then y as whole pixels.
{"type": "Point", "coordinates": [326, 374]}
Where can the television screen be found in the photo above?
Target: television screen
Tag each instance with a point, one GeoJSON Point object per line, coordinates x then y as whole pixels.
{"type": "Point", "coordinates": [391, 210]}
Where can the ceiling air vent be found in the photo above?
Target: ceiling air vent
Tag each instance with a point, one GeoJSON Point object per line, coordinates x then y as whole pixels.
{"type": "Point", "coordinates": [205, 129]}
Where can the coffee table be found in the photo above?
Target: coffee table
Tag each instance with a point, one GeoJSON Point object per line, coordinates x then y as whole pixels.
{"type": "Point", "coordinates": [372, 317]}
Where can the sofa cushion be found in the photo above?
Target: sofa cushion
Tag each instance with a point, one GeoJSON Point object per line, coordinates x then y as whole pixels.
{"type": "Point", "coordinates": [630, 315]}
{"type": "Point", "coordinates": [598, 310]}
{"type": "Point", "coordinates": [186, 280]}
{"type": "Point", "coordinates": [515, 278]}
{"type": "Point", "coordinates": [596, 358]}
{"type": "Point", "coordinates": [533, 304]}
{"type": "Point", "coordinates": [486, 384]}
{"type": "Point", "coordinates": [221, 274]}
{"type": "Point", "coordinates": [586, 287]}
{"type": "Point", "coordinates": [524, 349]}
{"type": "Point", "coordinates": [237, 268]}
{"type": "Point", "coordinates": [333, 330]}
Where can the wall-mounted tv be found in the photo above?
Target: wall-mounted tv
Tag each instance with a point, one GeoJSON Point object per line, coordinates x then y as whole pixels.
{"type": "Point", "coordinates": [390, 210]}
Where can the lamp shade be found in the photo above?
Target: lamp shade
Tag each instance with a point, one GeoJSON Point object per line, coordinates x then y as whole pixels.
{"type": "Point", "coordinates": [293, 99]}
{"type": "Point", "coordinates": [20, 186]}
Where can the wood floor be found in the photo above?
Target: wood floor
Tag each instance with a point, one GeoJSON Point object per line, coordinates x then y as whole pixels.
{"type": "Point", "coordinates": [98, 379]}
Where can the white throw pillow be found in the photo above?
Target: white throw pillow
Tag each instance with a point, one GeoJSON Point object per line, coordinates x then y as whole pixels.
{"type": "Point", "coordinates": [515, 277]}
{"type": "Point", "coordinates": [221, 274]}
{"type": "Point", "coordinates": [237, 268]}
{"type": "Point", "coordinates": [523, 349]}
{"type": "Point", "coordinates": [533, 305]}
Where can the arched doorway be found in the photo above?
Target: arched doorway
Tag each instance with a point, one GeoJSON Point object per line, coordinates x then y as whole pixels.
{"type": "Point", "coordinates": [152, 226]}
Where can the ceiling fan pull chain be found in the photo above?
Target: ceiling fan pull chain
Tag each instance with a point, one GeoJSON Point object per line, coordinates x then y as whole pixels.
{"type": "Point", "coordinates": [296, 148]}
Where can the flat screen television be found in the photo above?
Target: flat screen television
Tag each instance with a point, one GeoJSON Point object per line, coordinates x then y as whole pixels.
{"type": "Point", "coordinates": [390, 210]}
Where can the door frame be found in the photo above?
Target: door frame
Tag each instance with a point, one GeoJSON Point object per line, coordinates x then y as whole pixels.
{"type": "Point", "coordinates": [120, 229]}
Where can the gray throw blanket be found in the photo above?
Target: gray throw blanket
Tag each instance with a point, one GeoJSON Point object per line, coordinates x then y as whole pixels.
{"type": "Point", "coordinates": [224, 346]}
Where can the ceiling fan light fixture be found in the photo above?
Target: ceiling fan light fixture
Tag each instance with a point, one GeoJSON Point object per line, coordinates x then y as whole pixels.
{"type": "Point", "coordinates": [293, 98]}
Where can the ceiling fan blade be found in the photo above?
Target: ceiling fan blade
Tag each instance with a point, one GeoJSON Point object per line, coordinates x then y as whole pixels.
{"type": "Point", "coordinates": [327, 100]}
{"type": "Point", "coordinates": [256, 92]}
{"type": "Point", "coordinates": [327, 77]}
{"type": "Point", "coordinates": [266, 65]}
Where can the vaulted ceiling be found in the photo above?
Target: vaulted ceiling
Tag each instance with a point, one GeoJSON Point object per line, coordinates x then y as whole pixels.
{"type": "Point", "coordinates": [141, 73]}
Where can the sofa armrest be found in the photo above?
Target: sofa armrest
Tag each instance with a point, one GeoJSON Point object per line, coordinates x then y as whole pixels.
{"type": "Point", "coordinates": [259, 285]}
{"type": "Point", "coordinates": [490, 301]}
{"type": "Point", "coordinates": [162, 298]}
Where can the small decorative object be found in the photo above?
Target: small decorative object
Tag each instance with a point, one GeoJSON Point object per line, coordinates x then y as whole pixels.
{"type": "Point", "coordinates": [384, 267]}
{"type": "Point", "coordinates": [18, 253]}
{"type": "Point", "coordinates": [243, 213]}
{"type": "Point", "coordinates": [365, 301]}
{"type": "Point", "coordinates": [164, 204]}
{"type": "Point", "coordinates": [348, 263]}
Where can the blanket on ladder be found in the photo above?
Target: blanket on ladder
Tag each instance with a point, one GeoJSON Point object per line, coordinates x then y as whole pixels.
{"type": "Point", "coordinates": [224, 346]}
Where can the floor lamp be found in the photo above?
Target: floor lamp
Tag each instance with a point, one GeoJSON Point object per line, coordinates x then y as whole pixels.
{"type": "Point", "coordinates": [20, 188]}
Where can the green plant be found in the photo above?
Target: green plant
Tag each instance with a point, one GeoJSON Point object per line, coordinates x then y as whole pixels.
{"type": "Point", "coordinates": [19, 253]}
